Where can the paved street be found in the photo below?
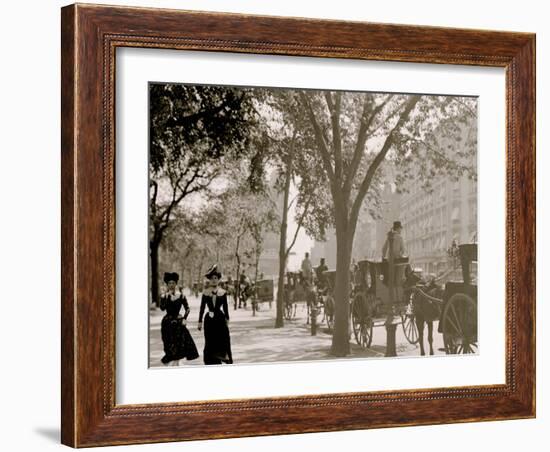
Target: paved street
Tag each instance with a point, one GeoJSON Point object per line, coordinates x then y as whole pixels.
{"type": "Point", "coordinates": [254, 339]}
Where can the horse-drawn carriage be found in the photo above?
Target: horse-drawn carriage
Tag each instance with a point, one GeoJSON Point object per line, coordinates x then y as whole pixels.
{"type": "Point", "coordinates": [458, 321]}
{"type": "Point", "coordinates": [297, 290]}
{"type": "Point", "coordinates": [263, 291]}
{"type": "Point", "coordinates": [318, 295]}
{"type": "Point", "coordinates": [377, 299]}
{"type": "Point", "coordinates": [380, 296]}
{"type": "Point", "coordinates": [259, 292]}
{"type": "Point", "coordinates": [455, 306]}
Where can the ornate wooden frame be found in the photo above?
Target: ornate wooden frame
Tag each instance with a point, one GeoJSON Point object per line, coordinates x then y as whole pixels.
{"type": "Point", "coordinates": [90, 34]}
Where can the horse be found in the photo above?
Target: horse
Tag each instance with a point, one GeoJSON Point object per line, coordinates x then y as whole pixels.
{"type": "Point", "coordinates": [426, 308]}
{"type": "Point", "coordinates": [309, 295]}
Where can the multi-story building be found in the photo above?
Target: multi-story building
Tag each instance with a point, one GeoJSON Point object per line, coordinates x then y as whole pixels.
{"type": "Point", "coordinates": [433, 219]}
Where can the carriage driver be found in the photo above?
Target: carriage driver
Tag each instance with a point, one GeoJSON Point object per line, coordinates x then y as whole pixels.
{"type": "Point", "coordinates": [398, 247]}
{"type": "Point", "coordinates": [321, 276]}
{"type": "Point", "coordinates": [306, 269]}
{"type": "Point", "coordinates": [398, 250]}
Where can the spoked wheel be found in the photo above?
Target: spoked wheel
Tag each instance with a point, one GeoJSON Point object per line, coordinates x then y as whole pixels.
{"type": "Point", "coordinates": [329, 312]}
{"type": "Point", "coordinates": [409, 325]}
{"type": "Point", "coordinates": [459, 328]}
{"type": "Point", "coordinates": [361, 319]}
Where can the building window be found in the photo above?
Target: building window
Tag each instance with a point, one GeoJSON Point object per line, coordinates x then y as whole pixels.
{"type": "Point", "coordinates": [455, 216]}
{"type": "Point", "coordinates": [473, 212]}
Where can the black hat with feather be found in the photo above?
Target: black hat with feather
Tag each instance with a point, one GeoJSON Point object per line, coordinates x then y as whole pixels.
{"type": "Point", "coordinates": [213, 271]}
{"type": "Point", "coordinates": [171, 277]}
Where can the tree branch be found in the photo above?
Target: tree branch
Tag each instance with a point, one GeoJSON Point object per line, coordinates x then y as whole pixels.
{"type": "Point", "coordinates": [387, 118]}
{"type": "Point", "coordinates": [466, 106]}
{"type": "Point", "coordinates": [409, 106]}
{"type": "Point", "coordinates": [334, 109]}
{"type": "Point", "coordinates": [361, 141]}
{"type": "Point", "coordinates": [153, 201]}
{"type": "Point", "coordinates": [164, 217]}
{"type": "Point", "coordinates": [320, 139]}
{"type": "Point", "coordinates": [183, 121]}
{"type": "Point", "coordinates": [298, 226]}
{"type": "Point", "coordinates": [449, 163]}
{"type": "Point", "coordinates": [292, 201]}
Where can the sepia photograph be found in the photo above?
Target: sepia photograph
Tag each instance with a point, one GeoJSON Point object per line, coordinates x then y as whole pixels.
{"type": "Point", "coordinates": [292, 224]}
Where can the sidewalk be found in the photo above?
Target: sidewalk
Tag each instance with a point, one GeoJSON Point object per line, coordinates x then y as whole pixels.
{"type": "Point", "coordinates": [255, 340]}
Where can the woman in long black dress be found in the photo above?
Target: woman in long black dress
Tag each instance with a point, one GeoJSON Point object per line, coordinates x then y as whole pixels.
{"type": "Point", "coordinates": [177, 340]}
{"type": "Point", "coordinates": [217, 343]}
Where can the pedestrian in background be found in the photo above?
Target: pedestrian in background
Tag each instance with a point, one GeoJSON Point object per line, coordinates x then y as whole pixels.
{"type": "Point", "coordinates": [321, 277]}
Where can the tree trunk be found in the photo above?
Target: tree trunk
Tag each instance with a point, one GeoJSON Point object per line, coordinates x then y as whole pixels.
{"type": "Point", "coordinates": [255, 293]}
{"type": "Point", "coordinates": [190, 275]}
{"type": "Point", "coordinates": [154, 253]}
{"type": "Point", "coordinates": [182, 277]}
{"type": "Point", "coordinates": [279, 320]}
{"type": "Point", "coordinates": [256, 266]}
{"type": "Point", "coordinates": [200, 276]}
{"type": "Point", "coordinates": [237, 286]}
{"type": "Point", "coordinates": [238, 275]}
{"type": "Point", "coordinates": [340, 336]}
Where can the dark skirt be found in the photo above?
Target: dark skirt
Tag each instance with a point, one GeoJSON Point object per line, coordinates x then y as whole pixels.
{"type": "Point", "coordinates": [178, 343]}
{"type": "Point", "coordinates": [217, 343]}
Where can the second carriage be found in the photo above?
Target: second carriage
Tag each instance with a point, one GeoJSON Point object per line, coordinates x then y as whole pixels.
{"type": "Point", "coordinates": [317, 298]}
{"type": "Point", "coordinates": [297, 291]}
{"type": "Point", "coordinates": [257, 293]}
{"type": "Point", "coordinates": [263, 293]}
